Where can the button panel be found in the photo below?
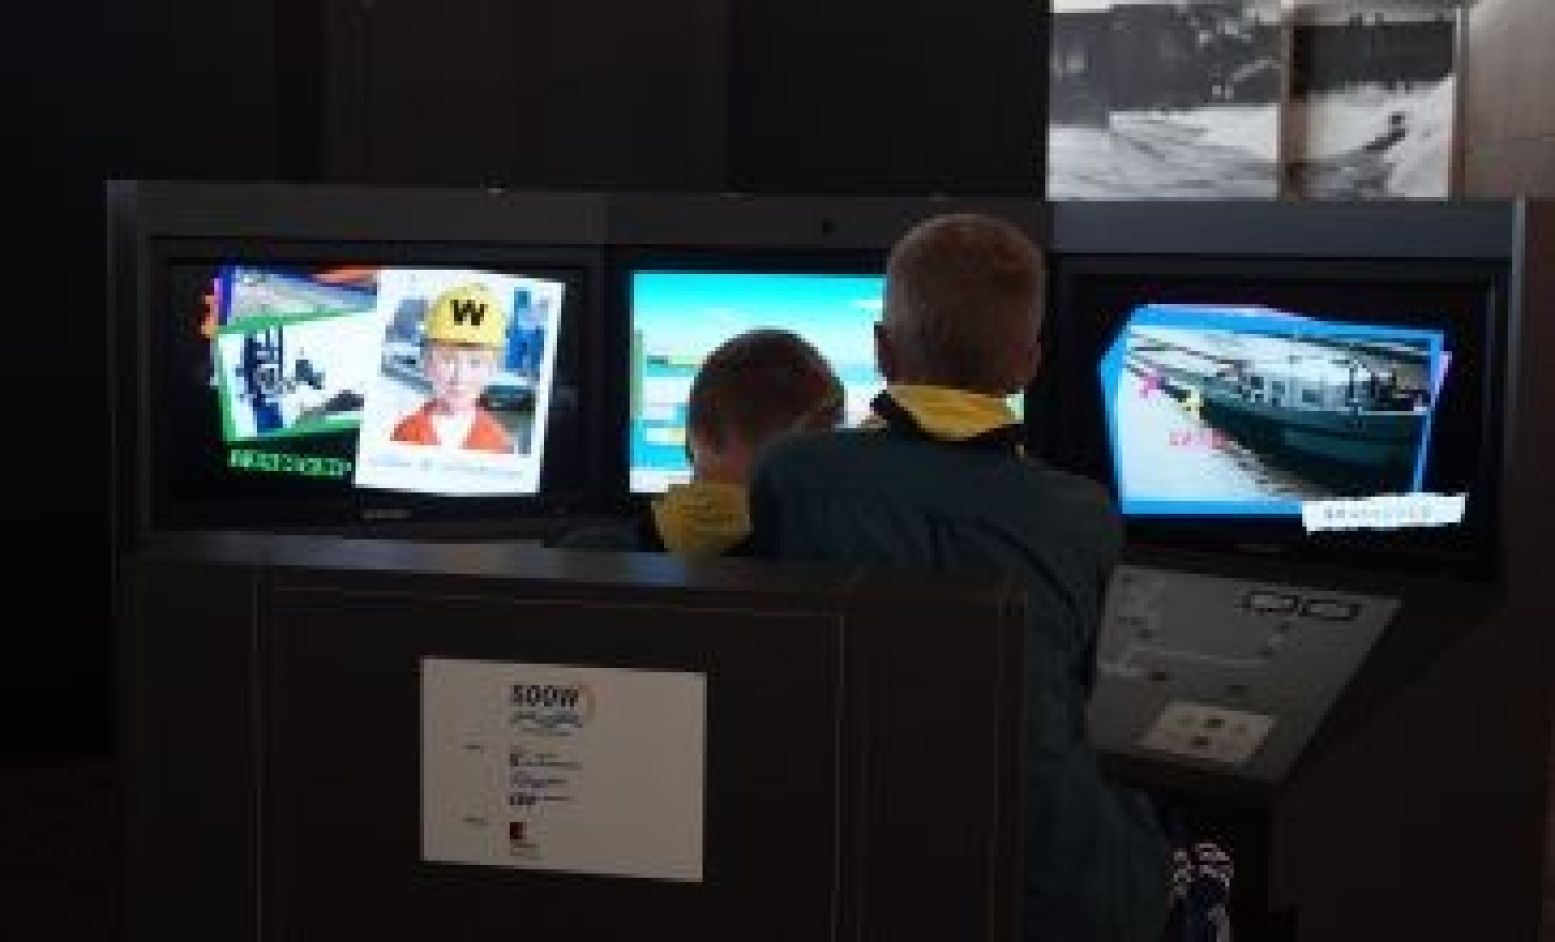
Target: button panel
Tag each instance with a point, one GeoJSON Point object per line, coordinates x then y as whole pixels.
{"type": "Point", "coordinates": [1207, 731]}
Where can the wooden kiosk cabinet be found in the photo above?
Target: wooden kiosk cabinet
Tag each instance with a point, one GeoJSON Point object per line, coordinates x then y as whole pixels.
{"type": "Point", "coordinates": [329, 738]}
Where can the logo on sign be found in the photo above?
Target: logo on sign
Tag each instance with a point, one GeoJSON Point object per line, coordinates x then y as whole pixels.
{"type": "Point", "coordinates": [467, 310]}
{"type": "Point", "coordinates": [551, 709]}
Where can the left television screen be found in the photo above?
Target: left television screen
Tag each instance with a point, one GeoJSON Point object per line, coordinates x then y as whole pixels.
{"type": "Point", "coordinates": [320, 392]}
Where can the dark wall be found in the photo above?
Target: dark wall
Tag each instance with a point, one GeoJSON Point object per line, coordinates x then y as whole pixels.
{"type": "Point", "coordinates": [805, 96]}
{"type": "Point", "coordinates": [159, 88]}
{"type": "Point", "coordinates": [202, 85]}
{"type": "Point", "coordinates": [560, 94]}
{"type": "Point", "coordinates": [1426, 825]}
{"type": "Point", "coordinates": [872, 96]}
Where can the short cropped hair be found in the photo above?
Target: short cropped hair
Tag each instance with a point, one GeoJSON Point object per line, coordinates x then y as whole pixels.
{"type": "Point", "coordinates": [961, 288]}
{"type": "Point", "coordinates": [761, 384]}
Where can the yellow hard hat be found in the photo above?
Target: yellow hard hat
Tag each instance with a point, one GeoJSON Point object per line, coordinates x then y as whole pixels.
{"type": "Point", "coordinates": [470, 314]}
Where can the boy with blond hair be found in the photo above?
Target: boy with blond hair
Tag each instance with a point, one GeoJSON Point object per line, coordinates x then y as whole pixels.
{"type": "Point", "coordinates": [938, 480]}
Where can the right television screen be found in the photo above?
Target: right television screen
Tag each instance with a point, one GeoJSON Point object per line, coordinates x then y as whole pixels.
{"type": "Point", "coordinates": [1318, 409]}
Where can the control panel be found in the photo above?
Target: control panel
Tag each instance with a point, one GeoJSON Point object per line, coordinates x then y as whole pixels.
{"type": "Point", "coordinates": [1225, 674]}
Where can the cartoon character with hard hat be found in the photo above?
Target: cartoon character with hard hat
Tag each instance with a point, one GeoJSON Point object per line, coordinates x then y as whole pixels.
{"type": "Point", "coordinates": [463, 340]}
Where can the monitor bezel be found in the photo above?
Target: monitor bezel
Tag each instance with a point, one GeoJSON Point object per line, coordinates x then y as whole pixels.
{"type": "Point", "coordinates": [1473, 553]}
{"type": "Point", "coordinates": [626, 261]}
{"type": "Point", "coordinates": [369, 512]}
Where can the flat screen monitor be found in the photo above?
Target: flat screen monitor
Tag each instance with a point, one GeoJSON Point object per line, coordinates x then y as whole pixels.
{"type": "Point", "coordinates": [678, 316]}
{"type": "Point", "coordinates": [297, 386]}
{"type": "Point", "coordinates": [1341, 411]}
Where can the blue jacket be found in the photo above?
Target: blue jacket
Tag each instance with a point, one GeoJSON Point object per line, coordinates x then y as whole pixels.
{"type": "Point", "coordinates": [1097, 862]}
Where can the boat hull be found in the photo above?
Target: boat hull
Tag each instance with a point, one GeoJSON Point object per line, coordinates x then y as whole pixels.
{"type": "Point", "coordinates": [1355, 452]}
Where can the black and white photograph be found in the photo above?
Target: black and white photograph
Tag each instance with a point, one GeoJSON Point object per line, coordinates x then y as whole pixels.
{"type": "Point", "coordinates": [1373, 89]}
{"type": "Point", "coordinates": [1164, 99]}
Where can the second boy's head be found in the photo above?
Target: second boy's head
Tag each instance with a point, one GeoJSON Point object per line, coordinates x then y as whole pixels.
{"type": "Point", "coordinates": [463, 340]}
{"type": "Point", "coordinates": [963, 306]}
{"type": "Point", "coordinates": [752, 389]}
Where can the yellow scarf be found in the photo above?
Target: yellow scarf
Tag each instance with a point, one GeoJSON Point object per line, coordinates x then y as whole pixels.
{"type": "Point", "coordinates": [702, 519]}
{"type": "Point", "coordinates": [951, 414]}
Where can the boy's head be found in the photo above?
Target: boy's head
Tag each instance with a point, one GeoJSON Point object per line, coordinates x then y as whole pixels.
{"type": "Point", "coordinates": [463, 338]}
{"type": "Point", "coordinates": [963, 306]}
{"type": "Point", "coordinates": [750, 390]}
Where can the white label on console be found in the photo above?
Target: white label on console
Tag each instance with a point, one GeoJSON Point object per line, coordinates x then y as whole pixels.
{"type": "Point", "coordinates": [1206, 731]}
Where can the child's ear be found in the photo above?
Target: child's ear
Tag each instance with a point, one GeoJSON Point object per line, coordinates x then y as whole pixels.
{"type": "Point", "coordinates": [885, 357]}
{"type": "Point", "coordinates": [728, 463]}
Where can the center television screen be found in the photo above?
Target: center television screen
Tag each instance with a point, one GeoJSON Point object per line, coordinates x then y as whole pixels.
{"type": "Point", "coordinates": [679, 316]}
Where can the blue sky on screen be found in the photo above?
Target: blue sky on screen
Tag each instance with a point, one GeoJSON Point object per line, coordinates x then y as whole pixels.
{"type": "Point", "coordinates": [689, 313]}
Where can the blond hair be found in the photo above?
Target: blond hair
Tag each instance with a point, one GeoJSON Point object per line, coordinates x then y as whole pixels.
{"type": "Point", "coordinates": [962, 290]}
